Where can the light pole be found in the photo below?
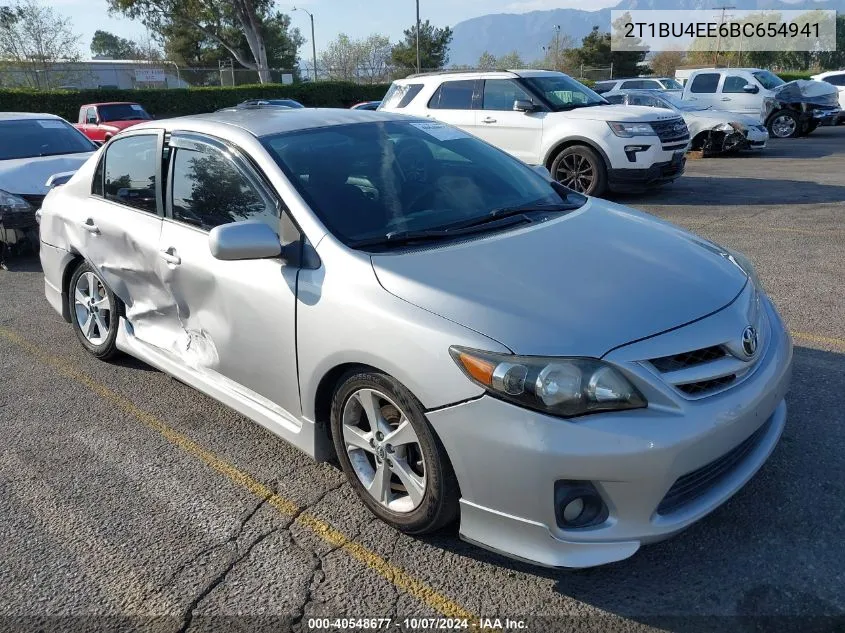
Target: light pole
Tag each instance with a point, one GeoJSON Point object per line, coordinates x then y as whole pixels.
{"type": "Point", "coordinates": [313, 43]}
{"type": "Point", "coordinates": [418, 36]}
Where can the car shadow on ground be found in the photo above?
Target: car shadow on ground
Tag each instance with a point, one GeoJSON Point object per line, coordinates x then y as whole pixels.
{"type": "Point", "coordinates": [766, 560]}
{"type": "Point", "coordinates": [26, 263]}
{"type": "Point", "coordinates": [726, 191]}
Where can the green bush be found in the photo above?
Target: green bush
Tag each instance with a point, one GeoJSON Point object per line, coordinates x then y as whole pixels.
{"type": "Point", "coordinates": [184, 101]}
{"type": "Point", "coordinates": [792, 75]}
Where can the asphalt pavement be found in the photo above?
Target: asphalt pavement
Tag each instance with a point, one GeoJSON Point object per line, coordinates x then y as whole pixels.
{"type": "Point", "coordinates": [129, 500]}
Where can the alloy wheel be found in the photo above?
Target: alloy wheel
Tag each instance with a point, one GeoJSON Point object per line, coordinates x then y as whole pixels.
{"type": "Point", "coordinates": [783, 126]}
{"type": "Point", "coordinates": [384, 450]}
{"type": "Point", "coordinates": [576, 172]}
{"type": "Point", "coordinates": [92, 308]}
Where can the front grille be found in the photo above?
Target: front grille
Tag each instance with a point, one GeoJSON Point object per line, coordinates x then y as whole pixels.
{"type": "Point", "coordinates": [687, 359]}
{"type": "Point", "coordinates": [706, 386]}
{"type": "Point", "coordinates": [693, 485]}
{"type": "Point", "coordinates": [671, 131]}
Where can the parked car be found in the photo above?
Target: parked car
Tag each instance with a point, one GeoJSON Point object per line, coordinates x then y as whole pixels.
{"type": "Point", "coordinates": [285, 103]}
{"type": "Point", "coordinates": [547, 118]}
{"type": "Point", "coordinates": [33, 148]}
{"type": "Point", "coordinates": [835, 78]}
{"type": "Point", "coordinates": [787, 110]}
{"type": "Point", "coordinates": [100, 121]}
{"type": "Point", "coordinates": [665, 84]}
{"type": "Point", "coordinates": [367, 105]}
{"type": "Point", "coordinates": [711, 131]}
{"type": "Point", "coordinates": [570, 377]}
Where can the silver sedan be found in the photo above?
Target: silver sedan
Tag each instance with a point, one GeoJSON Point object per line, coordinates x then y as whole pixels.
{"type": "Point", "coordinates": [567, 377]}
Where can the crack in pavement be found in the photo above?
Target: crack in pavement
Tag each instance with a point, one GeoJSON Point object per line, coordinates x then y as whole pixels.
{"type": "Point", "coordinates": [232, 539]}
{"type": "Point", "coordinates": [188, 617]}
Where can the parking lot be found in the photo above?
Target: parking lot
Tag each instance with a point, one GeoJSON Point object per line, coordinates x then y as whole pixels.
{"type": "Point", "coordinates": [126, 494]}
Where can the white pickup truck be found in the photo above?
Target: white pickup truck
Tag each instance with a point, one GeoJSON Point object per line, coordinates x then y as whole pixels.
{"type": "Point", "coordinates": [786, 109]}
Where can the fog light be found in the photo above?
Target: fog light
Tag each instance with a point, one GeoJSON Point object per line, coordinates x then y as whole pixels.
{"type": "Point", "coordinates": [578, 505]}
{"type": "Point", "coordinates": [631, 151]}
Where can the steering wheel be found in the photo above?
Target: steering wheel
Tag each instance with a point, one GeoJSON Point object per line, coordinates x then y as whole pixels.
{"type": "Point", "coordinates": [415, 161]}
{"type": "Point", "coordinates": [428, 192]}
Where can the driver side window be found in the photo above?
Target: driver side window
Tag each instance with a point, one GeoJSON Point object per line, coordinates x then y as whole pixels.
{"type": "Point", "coordinates": [500, 94]}
{"type": "Point", "coordinates": [734, 84]}
{"type": "Point", "coordinates": [209, 189]}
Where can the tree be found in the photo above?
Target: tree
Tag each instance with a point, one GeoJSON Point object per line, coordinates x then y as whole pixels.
{"type": "Point", "coordinates": [510, 61]}
{"type": "Point", "coordinates": [248, 30]}
{"type": "Point", "coordinates": [434, 48]}
{"type": "Point", "coordinates": [374, 53]}
{"type": "Point", "coordinates": [559, 53]}
{"type": "Point", "coordinates": [340, 58]}
{"type": "Point", "coordinates": [111, 46]}
{"type": "Point", "coordinates": [665, 63]}
{"type": "Point", "coordinates": [596, 51]}
{"type": "Point", "coordinates": [33, 38]}
{"type": "Point", "coordinates": [487, 61]}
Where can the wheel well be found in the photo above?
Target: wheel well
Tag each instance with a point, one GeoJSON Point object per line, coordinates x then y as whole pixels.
{"type": "Point", "coordinates": [557, 149]}
{"type": "Point", "coordinates": [72, 265]}
{"type": "Point", "coordinates": [325, 391]}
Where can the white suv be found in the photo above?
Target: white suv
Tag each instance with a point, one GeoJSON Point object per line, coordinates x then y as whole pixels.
{"type": "Point", "coordinates": [547, 118]}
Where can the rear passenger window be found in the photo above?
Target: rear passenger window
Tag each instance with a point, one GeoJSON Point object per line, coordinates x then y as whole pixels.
{"type": "Point", "coordinates": [706, 82]}
{"type": "Point", "coordinates": [836, 80]}
{"type": "Point", "coordinates": [130, 172]}
{"type": "Point", "coordinates": [734, 84]}
{"type": "Point", "coordinates": [209, 190]}
{"type": "Point", "coordinates": [453, 95]}
{"type": "Point", "coordinates": [400, 95]}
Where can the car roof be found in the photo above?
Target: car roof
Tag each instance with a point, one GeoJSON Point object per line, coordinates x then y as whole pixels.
{"type": "Point", "coordinates": [266, 121]}
{"type": "Point", "coordinates": [20, 116]}
{"type": "Point", "coordinates": [480, 74]}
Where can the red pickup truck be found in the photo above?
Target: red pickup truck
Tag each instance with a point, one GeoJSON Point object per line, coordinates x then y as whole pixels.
{"type": "Point", "coordinates": [101, 121]}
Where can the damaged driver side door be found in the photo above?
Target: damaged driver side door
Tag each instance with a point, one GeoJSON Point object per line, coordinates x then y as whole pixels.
{"type": "Point", "coordinates": [234, 321]}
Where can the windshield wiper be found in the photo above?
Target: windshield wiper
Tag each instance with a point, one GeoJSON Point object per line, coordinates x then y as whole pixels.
{"type": "Point", "coordinates": [75, 151]}
{"type": "Point", "coordinates": [398, 238]}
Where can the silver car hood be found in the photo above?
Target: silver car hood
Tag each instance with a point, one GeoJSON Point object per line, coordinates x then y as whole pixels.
{"type": "Point", "coordinates": [578, 285]}
{"type": "Point", "coordinates": [29, 175]}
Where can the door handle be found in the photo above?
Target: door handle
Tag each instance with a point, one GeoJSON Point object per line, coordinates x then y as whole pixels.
{"type": "Point", "coordinates": [89, 226]}
{"type": "Point", "coordinates": [170, 256]}
{"type": "Point", "coordinates": [726, 98]}
{"type": "Point", "coordinates": [489, 119]}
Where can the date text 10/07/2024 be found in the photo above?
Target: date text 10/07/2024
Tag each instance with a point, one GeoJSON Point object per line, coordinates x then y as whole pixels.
{"type": "Point", "coordinates": [416, 624]}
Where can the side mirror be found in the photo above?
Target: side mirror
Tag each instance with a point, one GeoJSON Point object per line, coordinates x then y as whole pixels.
{"type": "Point", "coordinates": [57, 180]}
{"type": "Point", "coordinates": [750, 89]}
{"type": "Point", "coordinates": [244, 240]}
{"type": "Point", "coordinates": [524, 105]}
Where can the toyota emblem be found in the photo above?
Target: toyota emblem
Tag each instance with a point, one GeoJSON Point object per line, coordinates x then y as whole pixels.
{"type": "Point", "coordinates": [749, 341]}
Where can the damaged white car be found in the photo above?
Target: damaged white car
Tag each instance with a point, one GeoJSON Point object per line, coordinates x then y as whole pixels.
{"type": "Point", "coordinates": [33, 148]}
{"type": "Point", "coordinates": [569, 378]}
{"type": "Point", "coordinates": [711, 131]}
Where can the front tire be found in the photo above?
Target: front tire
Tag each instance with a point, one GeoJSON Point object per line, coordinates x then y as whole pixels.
{"type": "Point", "coordinates": [784, 124]}
{"type": "Point", "coordinates": [390, 454]}
{"type": "Point", "coordinates": [94, 312]}
{"type": "Point", "coordinates": [581, 169]}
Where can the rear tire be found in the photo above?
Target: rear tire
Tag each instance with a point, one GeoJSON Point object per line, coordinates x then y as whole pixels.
{"type": "Point", "coordinates": [396, 464]}
{"type": "Point", "coordinates": [580, 168]}
{"type": "Point", "coordinates": [95, 312]}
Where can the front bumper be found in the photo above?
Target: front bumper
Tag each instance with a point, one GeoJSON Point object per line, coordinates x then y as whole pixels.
{"type": "Point", "coordinates": [632, 180]}
{"type": "Point", "coordinates": [507, 460]}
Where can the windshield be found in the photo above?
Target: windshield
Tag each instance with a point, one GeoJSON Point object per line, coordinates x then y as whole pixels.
{"type": "Point", "coordinates": [671, 84]}
{"type": "Point", "coordinates": [563, 92]}
{"type": "Point", "coordinates": [677, 103]}
{"type": "Point", "coordinates": [768, 80]}
{"type": "Point", "coordinates": [122, 112]}
{"type": "Point", "coordinates": [374, 180]}
{"type": "Point", "coordinates": [27, 138]}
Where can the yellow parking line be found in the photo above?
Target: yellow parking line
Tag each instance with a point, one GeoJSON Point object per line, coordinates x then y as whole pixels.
{"type": "Point", "coordinates": [815, 338]}
{"type": "Point", "coordinates": [400, 578]}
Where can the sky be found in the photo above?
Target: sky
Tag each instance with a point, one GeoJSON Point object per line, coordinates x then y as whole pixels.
{"type": "Point", "coordinates": [356, 18]}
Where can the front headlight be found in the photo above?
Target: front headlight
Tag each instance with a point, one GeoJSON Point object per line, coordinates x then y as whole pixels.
{"type": "Point", "coordinates": [733, 126]}
{"type": "Point", "coordinates": [11, 202]}
{"type": "Point", "coordinates": [627, 130]}
{"type": "Point", "coordinates": [566, 387]}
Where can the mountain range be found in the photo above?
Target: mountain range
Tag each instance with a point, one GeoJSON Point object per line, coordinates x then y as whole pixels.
{"type": "Point", "coordinates": [527, 33]}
